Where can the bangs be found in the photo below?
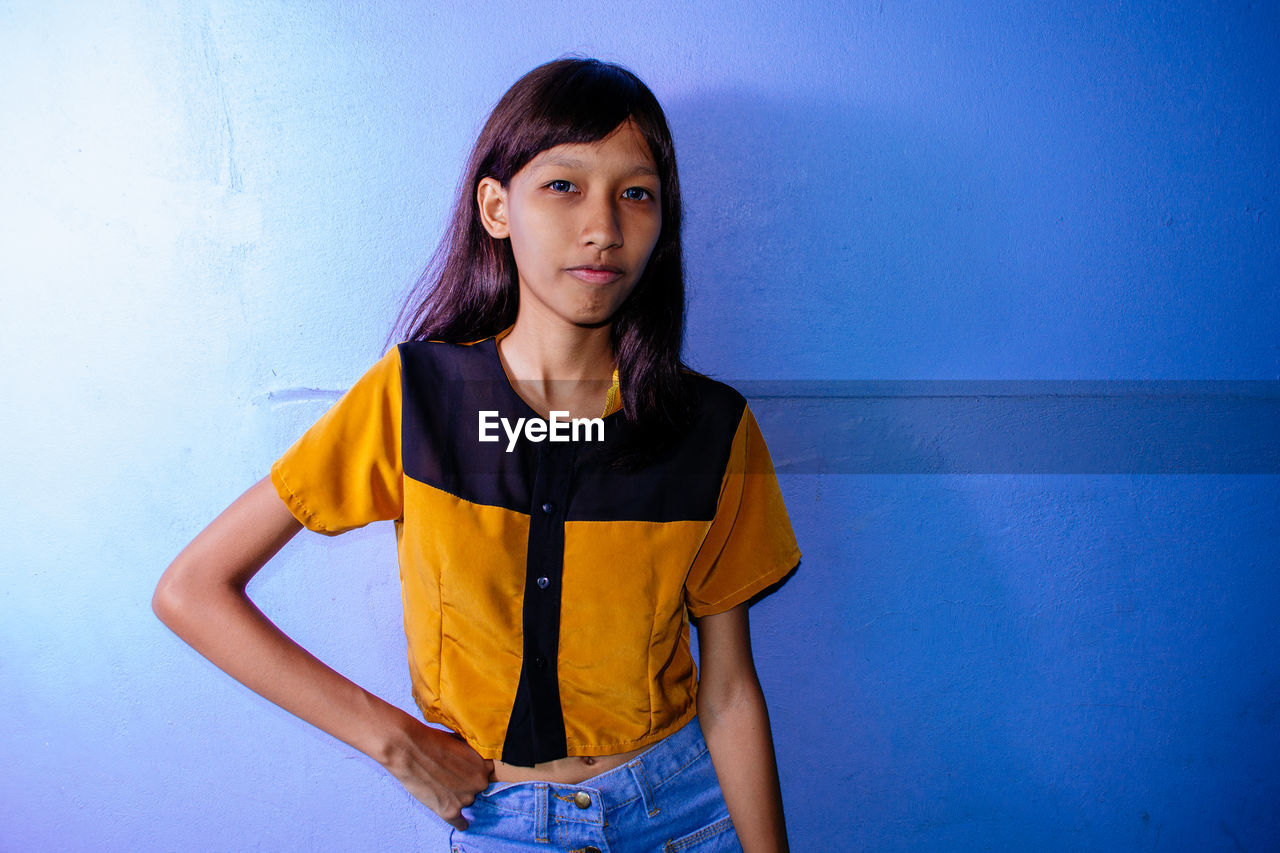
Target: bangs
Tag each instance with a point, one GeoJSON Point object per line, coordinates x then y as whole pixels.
{"type": "Point", "coordinates": [570, 101]}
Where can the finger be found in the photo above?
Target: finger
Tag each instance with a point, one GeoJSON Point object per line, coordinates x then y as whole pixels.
{"type": "Point", "coordinates": [459, 823]}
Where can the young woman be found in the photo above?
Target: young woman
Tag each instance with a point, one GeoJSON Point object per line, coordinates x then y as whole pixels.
{"type": "Point", "coordinates": [567, 497]}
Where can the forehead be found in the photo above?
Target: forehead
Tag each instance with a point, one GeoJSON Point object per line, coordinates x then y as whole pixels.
{"type": "Point", "coordinates": [623, 149]}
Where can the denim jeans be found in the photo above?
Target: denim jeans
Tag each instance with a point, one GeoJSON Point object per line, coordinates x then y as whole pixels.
{"type": "Point", "coordinates": [665, 799]}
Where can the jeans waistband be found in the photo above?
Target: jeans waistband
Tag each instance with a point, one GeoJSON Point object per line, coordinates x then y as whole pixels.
{"type": "Point", "coordinates": [592, 799]}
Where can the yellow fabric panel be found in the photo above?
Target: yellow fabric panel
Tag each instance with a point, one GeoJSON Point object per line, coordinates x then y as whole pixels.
{"type": "Point", "coordinates": [625, 667]}
{"type": "Point", "coordinates": [462, 568]}
{"type": "Point", "coordinates": [345, 471]}
{"type": "Point", "coordinates": [750, 544]}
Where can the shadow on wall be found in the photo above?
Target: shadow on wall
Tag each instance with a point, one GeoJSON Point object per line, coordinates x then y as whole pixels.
{"type": "Point", "coordinates": [829, 227]}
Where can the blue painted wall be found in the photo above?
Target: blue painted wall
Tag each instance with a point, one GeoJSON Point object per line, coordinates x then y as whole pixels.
{"type": "Point", "coordinates": [211, 210]}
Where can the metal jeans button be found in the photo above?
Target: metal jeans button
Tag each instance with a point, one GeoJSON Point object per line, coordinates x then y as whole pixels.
{"type": "Point", "coordinates": [582, 800]}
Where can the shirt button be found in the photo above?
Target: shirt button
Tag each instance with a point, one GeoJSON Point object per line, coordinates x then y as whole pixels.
{"type": "Point", "coordinates": [543, 583]}
{"type": "Point", "coordinates": [548, 508]}
{"type": "Point", "coordinates": [540, 662]}
{"type": "Point", "coordinates": [582, 800]}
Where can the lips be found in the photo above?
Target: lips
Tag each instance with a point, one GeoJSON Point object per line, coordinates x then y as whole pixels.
{"type": "Point", "coordinates": [596, 273]}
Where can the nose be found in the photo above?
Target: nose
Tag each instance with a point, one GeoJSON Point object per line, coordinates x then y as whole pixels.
{"type": "Point", "coordinates": [600, 227]}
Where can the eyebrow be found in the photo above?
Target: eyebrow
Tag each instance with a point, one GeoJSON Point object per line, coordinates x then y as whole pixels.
{"type": "Point", "coordinates": [570, 163]}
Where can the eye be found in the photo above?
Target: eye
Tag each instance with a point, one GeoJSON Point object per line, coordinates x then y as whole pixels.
{"type": "Point", "coordinates": [561, 186]}
{"type": "Point", "coordinates": [637, 194]}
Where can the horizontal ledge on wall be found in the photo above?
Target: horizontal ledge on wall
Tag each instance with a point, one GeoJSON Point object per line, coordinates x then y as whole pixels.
{"type": "Point", "coordinates": [860, 389]}
{"type": "Point", "coordinates": [296, 395]}
{"type": "Point", "coordinates": [1019, 426]}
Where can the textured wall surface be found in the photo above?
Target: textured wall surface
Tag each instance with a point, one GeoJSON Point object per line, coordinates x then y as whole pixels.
{"type": "Point", "coordinates": [211, 209]}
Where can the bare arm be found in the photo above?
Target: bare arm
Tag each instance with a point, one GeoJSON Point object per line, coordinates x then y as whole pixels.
{"type": "Point", "coordinates": [735, 723]}
{"type": "Point", "coordinates": [202, 598]}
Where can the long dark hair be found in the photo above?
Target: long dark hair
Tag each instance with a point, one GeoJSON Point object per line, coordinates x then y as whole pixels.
{"type": "Point", "coordinates": [469, 289]}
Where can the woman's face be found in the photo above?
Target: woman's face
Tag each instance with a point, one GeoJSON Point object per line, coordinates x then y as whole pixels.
{"type": "Point", "coordinates": [583, 220]}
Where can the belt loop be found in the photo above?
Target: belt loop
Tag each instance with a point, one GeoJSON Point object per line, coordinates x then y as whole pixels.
{"type": "Point", "coordinates": [642, 782]}
{"type": "Point", "coordinates": [540, 828]}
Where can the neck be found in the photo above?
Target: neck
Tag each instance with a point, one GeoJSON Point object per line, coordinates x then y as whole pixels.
{"type": "Point", "coordinates": [541, 352]}
{"type": "Point", "coordinates": [558, 366]}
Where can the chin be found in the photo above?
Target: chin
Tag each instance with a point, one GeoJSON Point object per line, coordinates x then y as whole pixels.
{"type": "Point", "coordinates": [595, 318]}
{"type": "Point", "coordinates": [593, 322]}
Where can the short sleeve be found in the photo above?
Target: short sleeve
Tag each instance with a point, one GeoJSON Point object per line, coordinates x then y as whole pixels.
{"type": "Point", "coordinates": [750, 544]}
{"type": "Point", "coordinates": [346, 470]}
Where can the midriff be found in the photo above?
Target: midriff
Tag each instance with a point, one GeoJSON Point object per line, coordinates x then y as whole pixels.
{"type": "Point", "coordinates": [564, 771]}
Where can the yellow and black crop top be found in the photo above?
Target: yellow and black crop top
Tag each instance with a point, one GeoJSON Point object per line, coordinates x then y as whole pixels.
{"type": "Point", "coordinates": [547, 595]}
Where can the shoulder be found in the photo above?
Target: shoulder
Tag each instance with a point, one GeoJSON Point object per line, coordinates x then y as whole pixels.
{"type": "Point", "coordinates": [713, 403]}
{"type": "Point", "coordinates": [440, 358]}
{"type": "Point", "coordinates": [440, 349]}
{"type": "Point", "coordinates": [712, 390]}
{"type": "Point", "coordinates": [722, 414]}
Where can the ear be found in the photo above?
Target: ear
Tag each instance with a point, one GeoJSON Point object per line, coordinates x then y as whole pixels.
{"type": "Point", "coordinates": [491, 198]}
